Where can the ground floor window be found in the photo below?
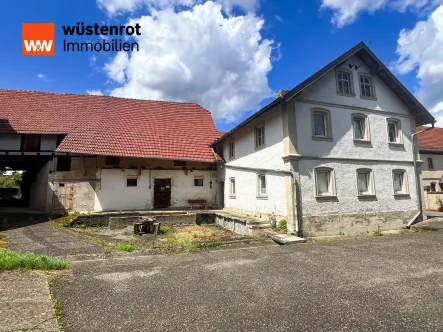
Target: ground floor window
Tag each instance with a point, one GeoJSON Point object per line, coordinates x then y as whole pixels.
{"type": "Point", "coordinates": [232, 187]}
{"type": "Point", "coordinates": [198, 181]}
{"type": "Point", "coordinates": [131, 182]}
{"type": "Point", "coordinates": [262, 185]}
{"type": "Point", "coordinates": [365, 182]}
{"type": "Point", "coordinates": [400, 182]}
{"type": "Point", "coordinates": [324, 182]}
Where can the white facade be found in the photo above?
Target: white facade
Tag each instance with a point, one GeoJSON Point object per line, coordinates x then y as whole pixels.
{"type": "Point", "coordinates": [291, 148]}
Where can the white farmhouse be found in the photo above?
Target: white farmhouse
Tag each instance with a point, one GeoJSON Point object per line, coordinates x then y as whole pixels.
{"type": "Point", "coordinates": [332, 156]}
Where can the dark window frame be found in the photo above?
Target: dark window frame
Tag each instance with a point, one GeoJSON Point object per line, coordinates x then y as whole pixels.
{"type": "Point", "coordinates": [131, 182]}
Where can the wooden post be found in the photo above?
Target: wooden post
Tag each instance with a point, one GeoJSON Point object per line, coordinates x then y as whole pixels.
{"type": "Point", "coordinates": [139, 167]}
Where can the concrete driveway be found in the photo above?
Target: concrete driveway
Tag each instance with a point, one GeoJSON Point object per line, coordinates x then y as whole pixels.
{"type": "Point", "coordinates": [389, 283]}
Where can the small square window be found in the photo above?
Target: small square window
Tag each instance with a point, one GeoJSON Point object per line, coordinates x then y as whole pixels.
{"type": "Point", "coordinates": [394, 131]}
{"type": "Point", "coordinates": [262, 185]}
{"type": "Point", "coordinates": [260, 136]}
{"type": "Point", "coordinates": [400, 182]}
{"type": "Point", "coordinates": [324, 182]}
{"type": "Point", "coordinates": [232, 150]}
{"type": "Point", "coordinates": [430, 163]}
{"type": "Point", "coordinates": [232, 186]}
{"type": "Point", "coordinates": [131, 182]}
{"type": "Point", "coordinates": [365, 182]}
{"type": "Point", "coordinates": [198, 181]}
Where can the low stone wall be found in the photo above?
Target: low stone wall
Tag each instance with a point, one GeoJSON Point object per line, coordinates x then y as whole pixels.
{"type": "Point", "coordinates": [236, 225]}
{"type": "Point", "coordinates": [354, 224]}
{"type": "Point", "coordinates": [102, 220]}
{"type": "Point", "coordinates": [432, 200]}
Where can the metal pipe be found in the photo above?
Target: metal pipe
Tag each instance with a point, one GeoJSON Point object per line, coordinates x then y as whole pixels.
{"type": "Point", "coordinates": [417, 177]}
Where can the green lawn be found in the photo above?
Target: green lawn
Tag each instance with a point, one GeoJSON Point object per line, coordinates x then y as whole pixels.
{"type": "Point", "coordinates": [10, 260]}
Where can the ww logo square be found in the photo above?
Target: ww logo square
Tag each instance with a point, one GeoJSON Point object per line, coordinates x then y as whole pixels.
{"type": "Point", "coordinates": [38, 39]}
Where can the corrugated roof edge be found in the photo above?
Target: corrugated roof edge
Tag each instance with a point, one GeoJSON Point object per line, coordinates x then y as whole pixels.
{"type": "Point", "coordinates": [323, 71]}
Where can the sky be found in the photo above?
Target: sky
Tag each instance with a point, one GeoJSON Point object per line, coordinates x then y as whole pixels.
{"type": "Point", "coordinates": [230, 56]}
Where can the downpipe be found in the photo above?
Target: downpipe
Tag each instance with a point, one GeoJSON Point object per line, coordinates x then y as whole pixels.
{"type": "Point", "coordinates": [417, 177]}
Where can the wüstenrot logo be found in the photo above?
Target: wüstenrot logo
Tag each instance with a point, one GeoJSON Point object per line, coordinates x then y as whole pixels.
{"type": "Point", "coordinates": [38, 39]}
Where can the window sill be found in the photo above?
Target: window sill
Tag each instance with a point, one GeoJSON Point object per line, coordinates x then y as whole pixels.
{"type": "Point", "coordinates": [368, 98]}
{"type": "Point", "coordinates": [396, 143]}
{"type": "Point", "coordinates": [321, 138]}
{"type": "Point", "coordinates": [232, 197]}
{"type": "Point", "coordinates": [262, 197]}
{"type": "Point", "coordinates": [402, 195]}
{"type": "Point", "coordinates": [352, 95]}
{"type": "Point", "coordinates": [366, 196]}
{"type": "Point", "coordinates": [333, 197]}
{"type": "Point", "coordinates": [260, 147]}
{"type": "Point", "coordinates": [365, 141]}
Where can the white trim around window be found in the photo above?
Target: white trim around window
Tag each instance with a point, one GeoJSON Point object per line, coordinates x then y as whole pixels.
{"type": "Point", "coordinates": [344, 82]}
{"type": "Point", "coordinates": [324, 178]}
{"type": "Point", "coordinates": [262, 186]}
{"type": "Point", "coordinates": [321, 124]}
{"type": "Point", "coordinates": [365, 183]}
{"type": "Point", "coordinates": [360, 128]}
{"type": "Point", "coordinates": [367, 86]}
{"type": "Point", "coordinates": [400, 182]}
{"type": "Point", "coordinates": [395, 134]}
{"type": "Point", "coordinates": [232, 150]}
{"type": "Point", "coordinates": [232, 188]}
{"type": "Point", "coordinates": [259, 135]}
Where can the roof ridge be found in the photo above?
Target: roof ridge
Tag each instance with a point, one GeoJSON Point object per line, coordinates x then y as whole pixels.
{"type": "Point", "coordinates": [102, 96]}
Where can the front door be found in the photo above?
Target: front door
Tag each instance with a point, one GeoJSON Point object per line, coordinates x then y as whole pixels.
{"type": "Point", "coordinates": [162, 193]}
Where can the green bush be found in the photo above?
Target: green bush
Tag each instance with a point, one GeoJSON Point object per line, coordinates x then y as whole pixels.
{"type": "Point", "coordinates": [282, 225]}
{"type": "Point", "coordinates": [125, 247]}
{"type": "Point", "coordinates": [10, 260]}
{"type": "Point", "coordinates": [165, 229]}
{"type": "Point", "coordinates": [377, 233]}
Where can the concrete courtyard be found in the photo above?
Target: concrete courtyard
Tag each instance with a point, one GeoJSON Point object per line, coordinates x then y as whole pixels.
{"type": "Point", "coordinates": [389, 283]}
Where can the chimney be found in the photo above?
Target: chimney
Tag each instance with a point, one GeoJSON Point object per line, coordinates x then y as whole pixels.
{"type": "Point", "coordinates": [281, 93]}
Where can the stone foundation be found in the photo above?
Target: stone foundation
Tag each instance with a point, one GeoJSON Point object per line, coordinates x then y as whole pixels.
{"type": "Point", "coordinates": [354, 224]}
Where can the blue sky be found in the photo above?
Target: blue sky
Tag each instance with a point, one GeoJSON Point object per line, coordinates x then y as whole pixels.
{"type": "Point", "coordinates": [304, 38]}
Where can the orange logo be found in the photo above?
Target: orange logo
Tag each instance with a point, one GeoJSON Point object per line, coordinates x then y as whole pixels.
{"type": "Point", "coordinates": [38, 39]}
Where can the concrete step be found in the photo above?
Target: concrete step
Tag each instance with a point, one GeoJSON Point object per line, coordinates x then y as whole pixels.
{"type": "Point", "coordinates": [260, 226]}
{"type": "Point", "coordinates": [286, 239]}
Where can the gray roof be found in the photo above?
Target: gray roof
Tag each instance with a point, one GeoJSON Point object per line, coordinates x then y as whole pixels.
{"type": "Point", "coordinates": [421, 114]}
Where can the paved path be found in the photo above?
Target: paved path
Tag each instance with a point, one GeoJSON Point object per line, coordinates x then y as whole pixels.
{"type": "Point", "coordinates": [433, 224]}
{"type": "Point", "coordinates": [389, 283]}
{"type": "Point", "coordinates": [40, 238]}
{"type": "Point", "coordinates": [25, 303]}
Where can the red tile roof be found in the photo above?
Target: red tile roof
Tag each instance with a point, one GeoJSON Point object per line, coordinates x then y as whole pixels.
{"type": "Point", "coordinates": [103, 125]}
{"type": "Point", "coordinates": [431, 140]}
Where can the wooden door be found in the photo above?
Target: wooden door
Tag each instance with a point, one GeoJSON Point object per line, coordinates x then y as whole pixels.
{"type": "Point", "coordinates": [63, 199]}
{"type": "Point", "coordinates": [162, 193]}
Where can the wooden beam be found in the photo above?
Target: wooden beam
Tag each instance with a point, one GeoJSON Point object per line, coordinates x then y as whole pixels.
{"type": "Point", "coordinates": [139, 167]}
{"type": "Point", "coordinates": [83, 166]}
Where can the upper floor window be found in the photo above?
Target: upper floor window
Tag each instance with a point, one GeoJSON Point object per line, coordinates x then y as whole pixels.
{"type": "Point", "coordinates": [400, 182]}
{"type": "Point", "coordinates": [262, 190]}
{"type": "Point", "coordinates": [344, 82]}
{"type": "Point", "coordinates": [112, 161]}
{"type": "Point", "coordinates": [63, 164]}
{"type": "Point", "coordinates": [321, 124]}
{"type": "Point", "coordinates": [260, 135]}
{"type": "Point", "coordinates": [365, 182]}
{"type": "Point", "coordinates": [360, 125]}
{"type": "Point", "coordinates": [30, 143]}
{"type": "Point", "coordinates": [367, 89]}
{"type": "Point", "coordinates": [430, 163]}
{"type": "Point", "coordinates": [394, 131]}
{"type": "Point", "coordinates": [324, 182]}
{"type": "Point", "coordinates": [231, 150]}
{"type": "Point", "coordinates": [433, 186]}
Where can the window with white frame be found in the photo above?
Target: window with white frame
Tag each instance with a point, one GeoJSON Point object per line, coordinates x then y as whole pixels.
{"type": "Point", "coordinates": [321, 124]}
{"type": "Point", "coordinates": [360, 124]}
{"type": "Point", "coordinates": [344, 82]}
{"type": "Point", "coordinates": [324, 182]}
{"type": "Point", "coordinates": [262, 190]}
{"type": "Point", "coordinates": [232, 187]}
{"type": "Point", "coordinates": [231, 150]}
{"type": "Point", "coordinates": [430, 163]}
{"type": "Point", "coordinates": [260, 135]}
{"type": "Point", "coordinates": [366, 87]}
{"type": "Point", "coordinates": [198, 181]}
{"type": "Point", "coordinates": [394, 131]}
{"type": "Point", "coordinates": [365, 182]}
{"type": "Point", "coordinates": [400, 182]}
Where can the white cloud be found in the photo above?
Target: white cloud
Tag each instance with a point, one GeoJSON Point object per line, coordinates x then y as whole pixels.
{"type": "Point", "coordinates": [94, 92]}
{"type": "Point", "coordinates": [346, 11]}
{"type": "Point", "coordinates": [41, 76]}
{"type": "Point", "coordinates": [116, 7]}
{"type": "Point", "coordinates": [197, 55]}
{"type": "Point", "coordinates": [422, 48]}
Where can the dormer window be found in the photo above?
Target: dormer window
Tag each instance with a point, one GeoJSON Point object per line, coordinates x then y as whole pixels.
{"type": "Point", "coordinates": [344, 82]}
{"type": "Point", "coordinates": [367, 89]}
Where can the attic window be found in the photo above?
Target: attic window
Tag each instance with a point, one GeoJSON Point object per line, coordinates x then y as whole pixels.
{"type": "Point", "coordinates": [180, 163]}
{"type": "Point", "coordinates": [345, 85]}
{"type": "Point", "coordinates": [112, 161]}
{"type": "Point", "coordinates": [367, 89]}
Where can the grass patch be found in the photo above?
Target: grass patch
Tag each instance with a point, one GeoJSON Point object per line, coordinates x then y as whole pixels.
{"type": "Point", "coordinates": [67, 221]}
{"type": "Point", "coordinates": [125, 247]}
{"type": "Point", "coordinates": [377, 233]}
{"type": "Point", "coordinates": [2, 242]}
{"type": "Point", "coordinates": [58, 307]}
{"type": "Point", "coordinates": [207, 245]}
{"type": "Point", "coordinates": [165, 229]}
{"type": "Point", "coordinates": [10, 260]}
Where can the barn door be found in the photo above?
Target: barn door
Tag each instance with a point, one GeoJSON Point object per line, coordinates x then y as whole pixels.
{"type": "Point", "coordinates": [162, 193]}
{"type": "Point", "coordinates": [63, 200]}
